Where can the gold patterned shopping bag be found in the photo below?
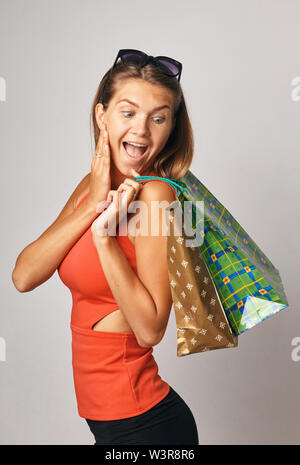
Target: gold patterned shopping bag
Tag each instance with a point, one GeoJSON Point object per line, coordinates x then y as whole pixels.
{"type": "Point", "coordinates": [200, 318]}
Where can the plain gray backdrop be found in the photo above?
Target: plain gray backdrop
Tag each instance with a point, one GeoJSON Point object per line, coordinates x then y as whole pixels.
{"type": "Point", "coordinates": [240, 68]}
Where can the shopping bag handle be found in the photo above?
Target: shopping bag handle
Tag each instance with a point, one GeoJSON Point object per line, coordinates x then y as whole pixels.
{"type": "Point", "coordinates": [174, 182]}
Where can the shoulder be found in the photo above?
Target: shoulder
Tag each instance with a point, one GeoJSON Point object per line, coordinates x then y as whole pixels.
{"type": "Point", "coordinates": [157, 190]}
{"type": "Point", "coordinates": [155, 197]}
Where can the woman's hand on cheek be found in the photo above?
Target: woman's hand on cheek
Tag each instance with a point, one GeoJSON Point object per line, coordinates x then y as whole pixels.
{"type": "Point", "coordinates": [100, 182]}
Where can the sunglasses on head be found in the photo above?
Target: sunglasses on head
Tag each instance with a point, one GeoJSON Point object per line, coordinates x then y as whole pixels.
{"type": "Point", "coordinates": [166, 65]}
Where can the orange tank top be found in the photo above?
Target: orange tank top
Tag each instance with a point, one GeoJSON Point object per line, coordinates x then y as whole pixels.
{"type": "Point", "coordinates": [114, 377]}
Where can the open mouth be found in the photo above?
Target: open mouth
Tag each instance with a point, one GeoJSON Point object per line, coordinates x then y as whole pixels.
{"type": "Point", "coordinates": [134, 151]}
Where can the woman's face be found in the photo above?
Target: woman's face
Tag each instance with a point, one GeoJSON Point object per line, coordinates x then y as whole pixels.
{"type": "Point", "coordinates": [135, 114]}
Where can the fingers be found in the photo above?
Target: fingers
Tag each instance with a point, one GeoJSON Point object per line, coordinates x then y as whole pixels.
{"type": "Point", "coordinates": [102, 206]}
{"type": "Point", "coordinates": [111, 196]}
{"type": "Point", "coordinates": [136, 186]}
{"type": "Point", "coordinates": [120, 199]}
{"type": "Point", "coordinates": [102, 143]}
{"type": "Point", "coordinates": [106, 149]}
{"type": "Point", "coordinates": [116, 206]}
{"type": "Point", "coordinates": [102, 149]}
{"type": "Point", "coordinates": [100, 146]}
{"type": "Point", "coordinates": [99, 142]}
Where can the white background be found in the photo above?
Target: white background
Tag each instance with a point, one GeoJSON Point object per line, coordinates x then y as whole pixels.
{"type": "Point", "coordinates": [239, 59]}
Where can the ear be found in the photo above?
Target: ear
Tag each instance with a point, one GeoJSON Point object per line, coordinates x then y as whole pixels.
{"type": "Point", "coordinates": [99, 113]}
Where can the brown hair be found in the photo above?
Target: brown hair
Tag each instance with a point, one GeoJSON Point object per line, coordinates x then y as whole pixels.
{"type": "Point", "coordinates": [176, 157]}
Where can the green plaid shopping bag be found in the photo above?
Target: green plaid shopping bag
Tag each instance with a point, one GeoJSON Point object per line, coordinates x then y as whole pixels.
{"type": "Point", "coordinates": [248, 284]}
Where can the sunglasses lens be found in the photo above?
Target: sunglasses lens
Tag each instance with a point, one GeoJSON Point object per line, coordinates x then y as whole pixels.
{"type": "Point", "coordinates": [168, 67]}
{"type": "Point", "coordinates": [137, 58]}
{"type": "Point", "coordinates": [132, 59]}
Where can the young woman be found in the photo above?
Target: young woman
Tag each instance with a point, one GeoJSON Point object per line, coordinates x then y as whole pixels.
{"type": "Point", "coordinates": [119, 282]}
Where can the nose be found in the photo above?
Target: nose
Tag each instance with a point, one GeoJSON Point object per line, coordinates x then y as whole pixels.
{"type": "Point", "coordinates": [140, 127]}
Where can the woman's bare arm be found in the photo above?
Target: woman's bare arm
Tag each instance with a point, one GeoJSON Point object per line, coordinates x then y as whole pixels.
{"type": "Point", "coordinates": [39, 260]}
{"type": "Point", "coordinates": [144, 297]}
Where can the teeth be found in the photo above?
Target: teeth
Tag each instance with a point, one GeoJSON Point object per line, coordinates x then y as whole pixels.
{"type": "Point", "coordinates": [136, 145]}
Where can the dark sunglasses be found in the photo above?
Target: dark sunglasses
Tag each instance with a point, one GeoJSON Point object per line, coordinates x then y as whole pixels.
{"type": "Point", "coordinates": [167, 65]}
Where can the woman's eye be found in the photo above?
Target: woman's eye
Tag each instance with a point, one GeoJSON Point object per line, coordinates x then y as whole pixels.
{"type": "Point", "coordinates": [126, 112]}
{"type": "Point", "coordinates": [160, 119]}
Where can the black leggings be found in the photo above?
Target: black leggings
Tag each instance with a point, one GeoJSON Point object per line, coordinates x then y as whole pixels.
{"type": "Point", "coordinates": [168, 422]}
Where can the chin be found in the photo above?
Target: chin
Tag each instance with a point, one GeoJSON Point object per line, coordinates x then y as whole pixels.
{"type": "Point", "coordinates": [122, 168]}
{"type": "Point", "coordinates": [125, 168]}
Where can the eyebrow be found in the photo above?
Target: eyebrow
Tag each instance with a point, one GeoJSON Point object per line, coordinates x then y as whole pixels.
{"type": "Point", "coordinates": [136, 105]}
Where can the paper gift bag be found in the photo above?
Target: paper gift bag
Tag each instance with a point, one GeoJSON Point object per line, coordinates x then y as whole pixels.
{"type": "Point", "coordinates": [247, 283]}
{"type": "Point", "coordinates": [200, 319]}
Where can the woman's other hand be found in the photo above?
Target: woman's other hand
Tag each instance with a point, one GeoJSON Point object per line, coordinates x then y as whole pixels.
{"type": "Point", "coordinates": [119, 201]}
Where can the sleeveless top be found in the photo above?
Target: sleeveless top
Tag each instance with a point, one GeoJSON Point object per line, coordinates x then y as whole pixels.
{"type": "Point", "coordinates": [114, 377]}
